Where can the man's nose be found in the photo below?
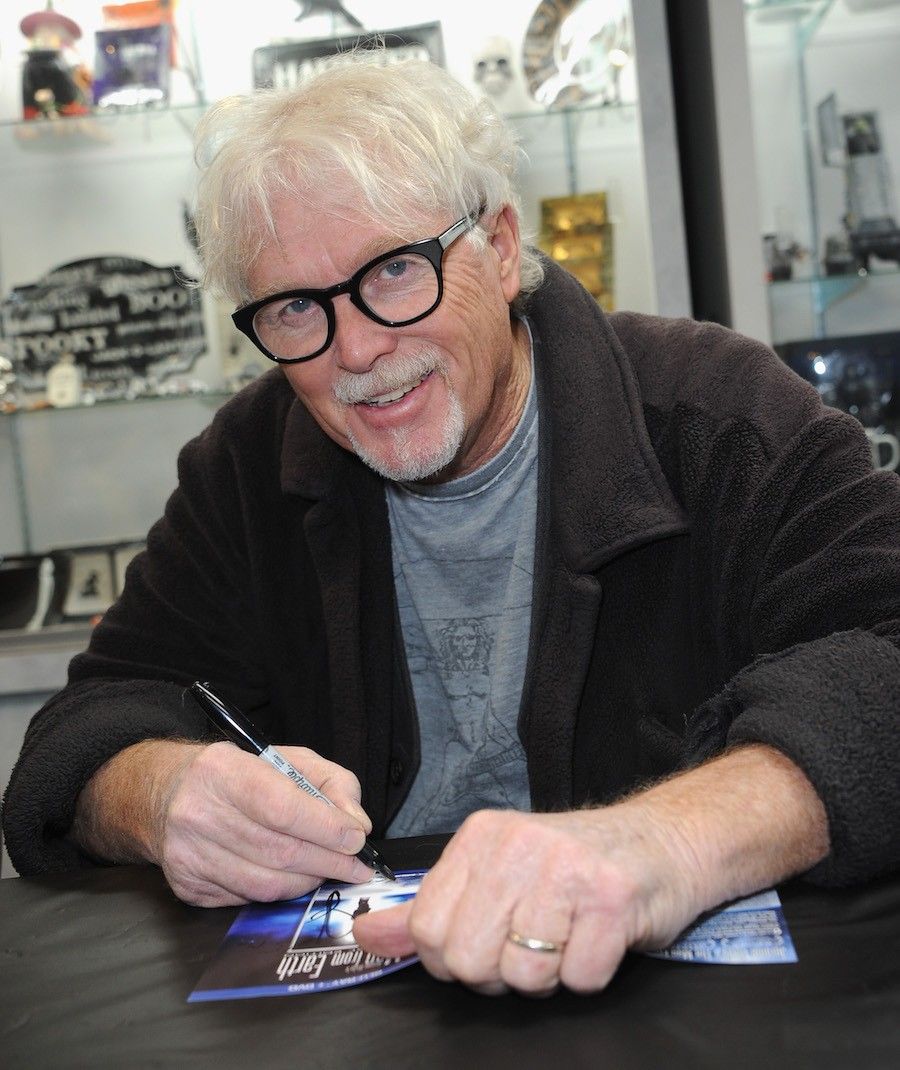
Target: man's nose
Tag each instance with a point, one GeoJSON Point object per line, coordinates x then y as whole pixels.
{"type": "Point", "coordinates": [359, 341]}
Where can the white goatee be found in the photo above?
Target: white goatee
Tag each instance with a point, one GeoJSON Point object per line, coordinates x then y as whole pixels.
{"type": "Point", "coordinates": [411, 460]}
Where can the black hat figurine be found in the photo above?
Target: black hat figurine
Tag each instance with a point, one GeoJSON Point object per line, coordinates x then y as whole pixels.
{"type": "Point", "coordinates": [51, 85]}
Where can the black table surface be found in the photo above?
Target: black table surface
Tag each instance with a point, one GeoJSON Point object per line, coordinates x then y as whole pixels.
{"type": "Point", "coordinates": [96, 967]}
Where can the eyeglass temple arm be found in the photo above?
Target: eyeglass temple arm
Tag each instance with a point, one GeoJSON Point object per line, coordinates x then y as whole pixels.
{"type": "Point", "coordinates": [466, 223]}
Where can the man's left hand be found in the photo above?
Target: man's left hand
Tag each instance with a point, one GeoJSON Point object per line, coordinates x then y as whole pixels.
{"type": "Point", "coordinates": [587, 885]}
{"type": "Point", "coordinates": [593, 883]}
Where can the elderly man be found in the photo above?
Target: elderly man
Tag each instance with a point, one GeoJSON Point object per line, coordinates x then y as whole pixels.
{"type": "Point", "coordinates": [614, 598]}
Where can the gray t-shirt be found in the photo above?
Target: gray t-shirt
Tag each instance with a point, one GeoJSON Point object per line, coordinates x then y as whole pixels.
{"type": "Point", "coordinates": [463, 566]}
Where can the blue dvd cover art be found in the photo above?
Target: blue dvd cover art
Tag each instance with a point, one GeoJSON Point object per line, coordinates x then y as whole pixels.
{"type": "Point", "coordinates": [747, 932]}
{"type": "Point", "coordinates": [304, 945]}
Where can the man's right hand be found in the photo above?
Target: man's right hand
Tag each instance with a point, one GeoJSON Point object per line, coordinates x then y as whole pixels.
{"type": "Point", "coordinates": [225, 827]}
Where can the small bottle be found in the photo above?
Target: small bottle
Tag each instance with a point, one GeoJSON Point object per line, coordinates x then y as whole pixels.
{"type": "Point", "coordinates": [64, 383]}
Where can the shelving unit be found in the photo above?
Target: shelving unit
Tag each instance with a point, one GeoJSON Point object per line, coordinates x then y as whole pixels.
{"type": "Point", "coordinates": [800, 53]}
{"type": "Point", "coordinates": [116, 184]}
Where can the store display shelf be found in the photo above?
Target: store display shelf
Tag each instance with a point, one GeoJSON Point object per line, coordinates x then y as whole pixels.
{"type": "Point", "coordinates": [214, 398]}
{"type": "Point", "coordinates": [21, 642]}
{"type": "Point", "coordinates": [120, 129]}
{"type": "Point", "coordinates": [808, 15]}
{"type": "Point", "coordinates": [119, 182]}
{"type": "Point", "coordinates": [126, 126]}
{"type": "Point", "coordinates": [801, 7]}
{"type": "Point", "coordinates": [833, 287]}
{"type": "Point", "coordinates": [835, 304]}
{"type": "Point", "coordinates": [587, 107]}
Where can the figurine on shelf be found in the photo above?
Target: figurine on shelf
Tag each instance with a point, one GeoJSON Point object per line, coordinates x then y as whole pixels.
{"type": "Point", "coordinates": [494, 67]}
{"type": "Point", "coordinates": [782, 254]}
{"type": "Point", "coordinates": [52, 85]}
{"type": "Point", "coordinates": [64, 383]}
{"type": "Point", "coordinates": [333, 8]}
{"type": "Point", "coordinates": [7, 385]}
{"type": "Point", "coordinates": [496, 76]}
{"type": "Point", "coordinates": [853, 143]}
{"type": "Point", "coordinates": [317, 19]}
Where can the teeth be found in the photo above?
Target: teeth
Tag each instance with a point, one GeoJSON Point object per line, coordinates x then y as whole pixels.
{"type": "Point", "coordinates": [387, 399]}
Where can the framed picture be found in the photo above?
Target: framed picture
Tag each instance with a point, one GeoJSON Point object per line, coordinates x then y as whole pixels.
{"type": "Point", "coordinates": [288, 63]}
{"type": "Point", "coordinates": [85, 583]}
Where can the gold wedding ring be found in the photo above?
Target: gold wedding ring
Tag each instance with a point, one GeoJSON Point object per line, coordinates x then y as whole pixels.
{"type": "Point", "coordinates": [530, 943]}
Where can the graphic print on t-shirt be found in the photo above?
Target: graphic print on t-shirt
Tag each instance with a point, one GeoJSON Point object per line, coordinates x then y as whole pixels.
{"type": "Point", "coordinates": [477, 748]}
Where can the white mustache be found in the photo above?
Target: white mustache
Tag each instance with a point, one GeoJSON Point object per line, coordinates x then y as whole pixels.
{"type": "Point", "coordinates": [353, 387]}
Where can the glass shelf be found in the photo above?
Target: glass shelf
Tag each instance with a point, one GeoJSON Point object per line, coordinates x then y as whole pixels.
{"type": "Point", "coordinates": [835, 305]}
{"type": "Point", "coordinates": [833, 287]}
{"type": "Point", "coordinates": [807, 15]}
{"type": "Point", "coordinates": [127, 127]}
{"type": "Point", "coordinates": [213, 398]}
{"type": "Point", "coordinates": [101, 131]}
{"type": "Point", "coordinates": [587, 107]}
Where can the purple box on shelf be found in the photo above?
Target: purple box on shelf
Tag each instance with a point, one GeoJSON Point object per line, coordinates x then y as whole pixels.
{"type": "Point", "coordinates": [131, 66]}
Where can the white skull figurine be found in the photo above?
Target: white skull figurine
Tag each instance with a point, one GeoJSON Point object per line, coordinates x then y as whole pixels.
{"type": "Point", "coordinates": [493, 71]}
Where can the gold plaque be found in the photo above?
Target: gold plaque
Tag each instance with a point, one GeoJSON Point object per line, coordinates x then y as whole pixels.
{"type": "Point", "coordinates": [579, 246]}
{"type": "Point", "coordinates": [576, 233]}
{"type": "Point", "coordinates": [575, 214]}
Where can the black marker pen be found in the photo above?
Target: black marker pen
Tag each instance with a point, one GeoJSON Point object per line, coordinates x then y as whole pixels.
{"type": "Point", "coordinates": [236, 728]}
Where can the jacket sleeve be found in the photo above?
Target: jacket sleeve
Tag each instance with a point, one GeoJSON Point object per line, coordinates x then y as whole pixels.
{"type": "Point", "coordinates": [186, 613]}
{"type": "Point", "coordinates": [802, 540]}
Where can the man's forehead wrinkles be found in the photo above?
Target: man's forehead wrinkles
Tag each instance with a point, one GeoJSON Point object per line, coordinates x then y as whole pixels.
{"type": "Point", "coordinates": [370, 250]}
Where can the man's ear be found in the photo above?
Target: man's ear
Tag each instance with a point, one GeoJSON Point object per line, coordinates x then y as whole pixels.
{"type": "Point", "coordinates": [506, 244]}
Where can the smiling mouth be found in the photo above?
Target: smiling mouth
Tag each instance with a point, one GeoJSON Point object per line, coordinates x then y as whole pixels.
{"type": "Point", "coordinates": [395, 395]}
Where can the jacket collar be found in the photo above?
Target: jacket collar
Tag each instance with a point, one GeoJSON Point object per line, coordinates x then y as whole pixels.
{"type": "Point", "coordinates": [607, 492]}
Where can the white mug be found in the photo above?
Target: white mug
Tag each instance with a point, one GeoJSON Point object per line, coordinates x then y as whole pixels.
{"type": "Point", "coordinates": [885, 448]}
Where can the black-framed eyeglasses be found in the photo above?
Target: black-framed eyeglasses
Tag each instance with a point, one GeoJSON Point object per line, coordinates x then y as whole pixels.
{"type": "Point", "coordinates": [397, 288]}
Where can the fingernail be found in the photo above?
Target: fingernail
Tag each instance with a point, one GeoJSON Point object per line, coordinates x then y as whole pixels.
{"type": "Point", "coordinates": [352, 840]}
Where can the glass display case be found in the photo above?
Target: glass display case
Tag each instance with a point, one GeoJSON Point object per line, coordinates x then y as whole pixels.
{"type": "Point", "coordinates": [826, 110]}
{"type": "Point", "coordinates": [118, 183]}
{"type": "Point", "coordinates": [826, 103]}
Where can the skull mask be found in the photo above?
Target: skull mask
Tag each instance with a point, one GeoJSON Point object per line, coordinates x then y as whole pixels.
{"type": "Point", "coordinates": [493, 71]}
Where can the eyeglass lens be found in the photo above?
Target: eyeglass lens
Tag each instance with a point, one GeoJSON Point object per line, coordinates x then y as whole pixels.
{"type": "Point", "coordinates": [398, 290]}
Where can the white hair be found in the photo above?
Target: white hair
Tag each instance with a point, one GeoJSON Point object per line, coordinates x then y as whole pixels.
{"type": "Point", "coordinates": [405, 141]}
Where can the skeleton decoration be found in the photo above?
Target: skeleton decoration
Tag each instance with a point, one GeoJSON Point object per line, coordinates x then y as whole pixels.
{"type": "Point", "coordinates": [494, 67]}
{"type": "Point", "coordinates": [496, 75]}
